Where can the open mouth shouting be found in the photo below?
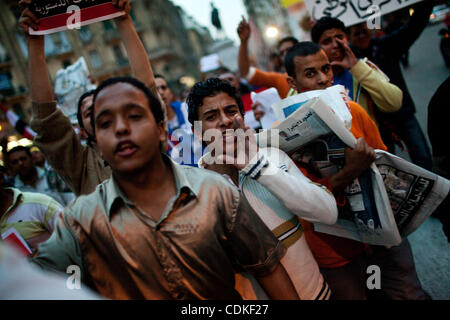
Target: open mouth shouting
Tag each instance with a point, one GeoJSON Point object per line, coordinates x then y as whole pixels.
{"type": "Point", "coordinates": [126, 149]}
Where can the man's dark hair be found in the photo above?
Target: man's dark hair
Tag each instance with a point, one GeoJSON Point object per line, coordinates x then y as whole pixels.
{"type": "Point", "coordinates": [210, 88]}
{"type": "Point", "coordinates": [301, 49]}
{"type": "Point", "coordinates": [294, 40]}
{"type": "Point", "coordinates": [324, 24]}
{"type": "Point", "coordinates": [154, 103]}
{"type": "Point", "coordinates": [80, 103]}
{"type": "Point", "coordinates": [160, 76]}
{"type": "Point", "coordinates": [19, 149]}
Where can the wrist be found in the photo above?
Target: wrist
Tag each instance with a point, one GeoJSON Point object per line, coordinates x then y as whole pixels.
{"type": "Point", "coordinates": [126, 18]}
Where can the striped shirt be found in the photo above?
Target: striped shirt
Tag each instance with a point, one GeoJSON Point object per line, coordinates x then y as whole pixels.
{"type": "Point", "coordinates": [279, 193]}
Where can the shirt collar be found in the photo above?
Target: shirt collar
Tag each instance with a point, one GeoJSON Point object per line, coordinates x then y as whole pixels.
{"type": "Point", "coordinates": [182, 183]}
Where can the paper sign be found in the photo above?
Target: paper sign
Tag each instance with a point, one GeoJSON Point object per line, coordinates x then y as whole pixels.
{"type": "Point", "coordinates": [210, 63]}
{"type": "Point", "coordinates": [70, 84]}
{"type": "Point", "coordinates": [60, 15]}
{"type": "Point", "coordinates": [352, 12]}
{"type": "Point", "coordinates": [266, 99]}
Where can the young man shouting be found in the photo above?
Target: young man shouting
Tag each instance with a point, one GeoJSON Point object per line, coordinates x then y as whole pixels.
{"type": "Point", "coordinates": [157, 230]}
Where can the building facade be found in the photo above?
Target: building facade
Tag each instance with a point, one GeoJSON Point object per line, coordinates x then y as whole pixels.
{"type": "Point", "coordinates": [262, 15]}
{"type": "Point", "coordinates": [174, 48]}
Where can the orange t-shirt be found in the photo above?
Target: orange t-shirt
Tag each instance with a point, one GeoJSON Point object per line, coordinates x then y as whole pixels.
{"type": "Point", "coordinates": [271, 79]}
{"type": "Point", "coordinates": [331, 251]}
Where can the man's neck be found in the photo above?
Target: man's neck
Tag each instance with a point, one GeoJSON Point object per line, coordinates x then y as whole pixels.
{"type": "Point", "coordinates": [151, 188]}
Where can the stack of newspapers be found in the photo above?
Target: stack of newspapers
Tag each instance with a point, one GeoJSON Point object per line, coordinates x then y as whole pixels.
{"type": "Point", "coordinates": [386, 203]}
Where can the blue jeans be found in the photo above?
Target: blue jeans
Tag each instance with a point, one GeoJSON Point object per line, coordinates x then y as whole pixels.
{"type": "Point", "coordinates": [409, 131]}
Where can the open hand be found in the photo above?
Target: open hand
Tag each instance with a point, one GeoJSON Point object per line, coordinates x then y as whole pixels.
{"type": "Point", "coordinates": [122, 5]}
{"type": "Point", "coordinates": [241, 151]}
{"type": "Point", "coordinates": [349, 60]}
{"type": "Point", "coordinates": [27, 19]}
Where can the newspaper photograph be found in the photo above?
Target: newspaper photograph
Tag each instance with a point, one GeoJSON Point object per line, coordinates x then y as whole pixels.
{"type": "Point", "coordinates": [386, 203]}
{"type": "Point", "coordinates": [414, 192]}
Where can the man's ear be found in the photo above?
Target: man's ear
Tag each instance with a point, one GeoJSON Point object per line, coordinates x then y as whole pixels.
{"type": "Point", "coordinates": [292, 83]}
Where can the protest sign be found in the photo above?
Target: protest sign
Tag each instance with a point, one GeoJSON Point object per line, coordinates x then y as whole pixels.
{"type": "Point", "coordinates": [70, 84]}
{"type": "Point", "coordinates": [60, 15]}
{"type": "Point", "coordinates": [352, 12]}
{"type": "Point", "coordinates": [266, 99]}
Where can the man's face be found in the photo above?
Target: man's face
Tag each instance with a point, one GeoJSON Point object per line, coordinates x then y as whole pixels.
{"type": "Point", "coordinates": [126, 131]}
{"type": "Point", "coordinates": [333, 49]}
{"type": "Point", "coordinates": [313, 72]}
{"type": "Point", "coordinates": [86, 111]}
{"type": "Point", "coordinates": [164, 91]}
{"type": "Point", "coordinates": [218, 112]}
{"type": "Point", "coordinates": [21, 163]}
{"type": "Point", "coordinates": [231, 78]}
{"type": "Point", "coordinates": [360, 36]}
{"type": "Point", "coordinates": [284, 48]}
{"type": "Point", "coordinates": [38, 158]}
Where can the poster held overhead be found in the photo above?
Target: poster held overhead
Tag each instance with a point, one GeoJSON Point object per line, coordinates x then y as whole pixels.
{"type": "Point", "coordinates": [60, 15]}
{"type": "Point", "coordinates": [352, 12]}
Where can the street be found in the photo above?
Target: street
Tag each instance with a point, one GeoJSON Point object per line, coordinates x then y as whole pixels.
{"type": "Point", "coordinates": [431, 251]}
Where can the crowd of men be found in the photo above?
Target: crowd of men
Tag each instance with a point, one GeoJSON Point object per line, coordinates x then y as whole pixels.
{"type": "Point", "coordinates": [142, 219]}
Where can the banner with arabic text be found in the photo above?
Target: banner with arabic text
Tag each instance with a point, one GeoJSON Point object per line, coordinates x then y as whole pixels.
{"type": "Point", "coordinates": [352, 12]}
{"type": "Point", "coordinates": [60, 15]}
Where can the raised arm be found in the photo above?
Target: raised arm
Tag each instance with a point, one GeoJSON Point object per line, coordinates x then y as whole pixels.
{"type": "Point", "coordinates": [55, 135]}
{"type": "Point", "coordinates": [139, 61]}
{"type": "Point", "coordinates": [387, 96]}
{"type": "Point", "coordinates": [243, 59]}
{"type": "Point", "coordinates": [40, 86]}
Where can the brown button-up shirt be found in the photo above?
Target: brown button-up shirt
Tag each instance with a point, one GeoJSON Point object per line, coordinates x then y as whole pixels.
{"type": "Point", "coordinates": [206, 233]}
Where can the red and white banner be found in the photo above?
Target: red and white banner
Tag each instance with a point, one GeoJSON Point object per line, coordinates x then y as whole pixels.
{"type": "Point", "coordinates": [60, 15]}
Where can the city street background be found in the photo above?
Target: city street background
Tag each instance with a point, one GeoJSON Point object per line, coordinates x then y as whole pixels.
{"type": "Point", "coordinates": [425, 74]}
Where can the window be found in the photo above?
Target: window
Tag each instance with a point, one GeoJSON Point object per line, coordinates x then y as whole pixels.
{"type": "Point", "coordinates": [120, 58]}
{"type": "Point", "coordinates": [85, 34]}
{"type": "Point", "coordinates": [95, 59]}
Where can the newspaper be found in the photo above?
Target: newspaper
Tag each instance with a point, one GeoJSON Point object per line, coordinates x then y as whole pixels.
{"type": "Point", "coordinates": [414, 192]}
{"type": "Point", "coordinates": [386, 203]}
{"type": "Point", "coordinates": [266, 99]}
{"type": "Point", "coordinates": [335, 96]}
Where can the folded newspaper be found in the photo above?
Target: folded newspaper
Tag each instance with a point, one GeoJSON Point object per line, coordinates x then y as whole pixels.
{"type": "Point", "coordinates": [386, 203]}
